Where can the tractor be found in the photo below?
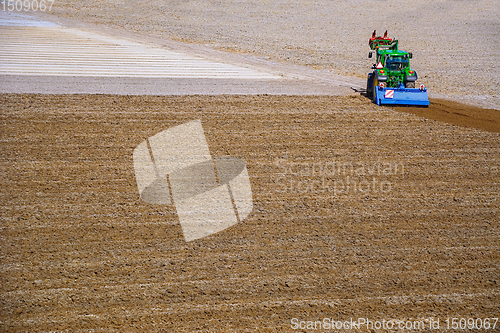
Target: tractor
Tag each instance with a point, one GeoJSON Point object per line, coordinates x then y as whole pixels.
{"type": "Point", "coordinates": [392, 81]}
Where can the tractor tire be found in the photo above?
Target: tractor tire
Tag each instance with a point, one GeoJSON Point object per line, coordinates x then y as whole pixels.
{"type": "Point", "coordinates": [369, 84]}
{"type": "Point", "coordinates": [409, 84]}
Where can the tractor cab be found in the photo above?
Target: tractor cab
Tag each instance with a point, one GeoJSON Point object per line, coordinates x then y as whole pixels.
{"type": "Point", "coordinates": [397, 62]}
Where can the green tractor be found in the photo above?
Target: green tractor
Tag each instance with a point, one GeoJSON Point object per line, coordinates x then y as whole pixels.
{"type": "Point", "coordinates": [392, 80]}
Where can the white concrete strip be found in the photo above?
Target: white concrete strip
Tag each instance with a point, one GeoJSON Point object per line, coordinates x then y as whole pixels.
{"type": "Point", "coordinates": [31, 47]}
{"type": "Point", "coordinates": [16, 20]}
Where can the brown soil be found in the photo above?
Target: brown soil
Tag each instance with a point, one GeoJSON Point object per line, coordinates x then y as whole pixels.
{"type": "Point", "coordinates": [458, 114]}
{"type": "Point", "coordinates": [81, 252]}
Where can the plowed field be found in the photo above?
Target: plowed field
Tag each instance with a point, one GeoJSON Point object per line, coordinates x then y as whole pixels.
{"type": "Point", "coordinates": [359, 211]}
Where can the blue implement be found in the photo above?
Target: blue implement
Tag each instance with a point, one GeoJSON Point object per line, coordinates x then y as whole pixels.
{"type": "Point", "coordinates": [401, 96]}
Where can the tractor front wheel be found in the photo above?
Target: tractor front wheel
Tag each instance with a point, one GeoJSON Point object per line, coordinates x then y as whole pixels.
{"type": "Point", "coordinates": [410, 84]}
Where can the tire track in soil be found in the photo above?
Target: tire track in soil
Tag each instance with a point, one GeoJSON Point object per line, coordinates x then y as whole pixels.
{"type": "Point", "coordinates": [458, 114]}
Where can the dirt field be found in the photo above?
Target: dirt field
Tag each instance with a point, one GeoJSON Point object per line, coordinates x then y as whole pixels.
{"type": "Point", "coordinates": [406, 230]}
{"type": "Point", "coordinates": [455, 43]}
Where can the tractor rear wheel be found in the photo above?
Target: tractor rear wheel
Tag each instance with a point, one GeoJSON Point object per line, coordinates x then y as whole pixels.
{"type": "Point", "coordinates": [410, 84]}
{"type": "Point", "coordinates": [369, 84]}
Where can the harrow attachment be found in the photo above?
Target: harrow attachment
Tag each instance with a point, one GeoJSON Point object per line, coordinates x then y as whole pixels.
{"type": "Point", "coordinates": [401, 96]}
